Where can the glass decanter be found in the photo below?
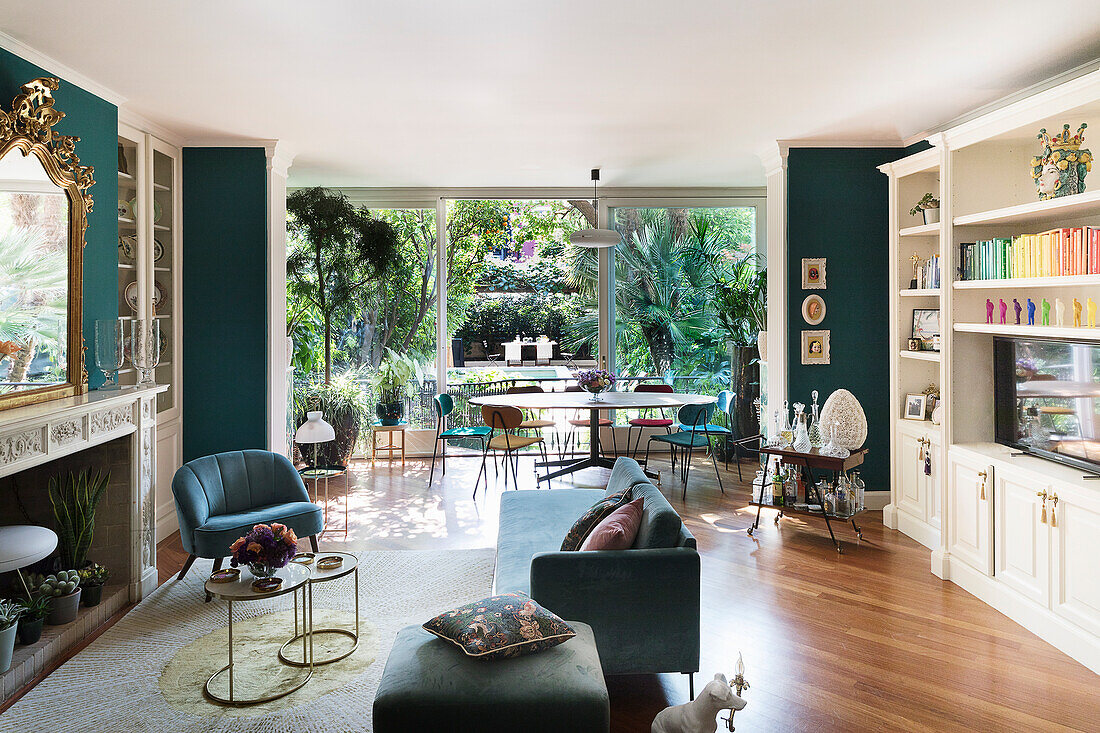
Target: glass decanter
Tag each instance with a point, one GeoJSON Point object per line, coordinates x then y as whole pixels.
{"type": "Point", "coordinates": [831, 448]}
{"type": "Point", "coordinates": [786, 432]}
{"type": "Point", "coordinates": [801, 434]}
{"type": "Point", "coordinates": [859, 487]}
{"type": "Point", "coordinates": [816, 439]}
{"type": "Point", "coordinates": [840, 503]}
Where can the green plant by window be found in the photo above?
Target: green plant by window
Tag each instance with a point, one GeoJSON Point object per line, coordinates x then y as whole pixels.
{"type": "Point", "coordinates": [394, 375]}
{"type": "Point", "coordinates": [928, 201]}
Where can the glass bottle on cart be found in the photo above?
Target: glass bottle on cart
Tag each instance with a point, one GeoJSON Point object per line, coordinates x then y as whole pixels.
{"type": "Point", "coordinates": [816, 439]}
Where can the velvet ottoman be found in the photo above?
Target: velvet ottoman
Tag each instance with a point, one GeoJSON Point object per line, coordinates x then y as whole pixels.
{"type": "Point", "coordinates": [430, 684]}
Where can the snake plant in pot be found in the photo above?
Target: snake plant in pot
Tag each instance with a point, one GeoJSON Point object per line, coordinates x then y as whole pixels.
{"type": "Point", "coordinates": [9, 621]}
{"type": "Point", "coordinates": [74, 499]}
{"type": "Point", "coordinates": [392, 381]}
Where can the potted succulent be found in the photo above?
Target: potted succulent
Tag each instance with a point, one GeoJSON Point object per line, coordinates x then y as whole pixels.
{"type": "Point", "coordinates": [92, 578]}
{"type": "Point", "coordinates": [63, 590]}
{"type": "Point", "coordinates": [9, 620]}
{"type": "Point", "coordinates": [392, 382]}
{"type": "Point", "coordinates": [929, 207]}
{"type": "Point", "coordinates": [35, 610]}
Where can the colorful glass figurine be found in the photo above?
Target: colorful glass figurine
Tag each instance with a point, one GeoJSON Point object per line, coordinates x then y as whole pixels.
{"type": "Point", "coordinates": [1059, 313]}
{"type": "Point", "coordinates": [1016, 307]}
{"type": "Point", "coordinates": [1092, 312]}
{"type": "Point", "coordinates": [1004, 310]}
{"type": "Point", "coordinates": [1045, 305]}
{"type": "Point", "coordinates": [1076, 313]}
{"type": "Point", "coordinates": [988, 310]}
{"type": "Point", "coordinates": [1030, 312]}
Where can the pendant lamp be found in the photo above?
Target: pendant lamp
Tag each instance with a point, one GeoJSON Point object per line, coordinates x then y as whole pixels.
{"type": "Point", "coordinates": [595, 238]}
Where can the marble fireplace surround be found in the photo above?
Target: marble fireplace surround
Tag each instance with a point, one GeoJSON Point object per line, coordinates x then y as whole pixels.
{"type": "Point", "coordinates": [36, 434]}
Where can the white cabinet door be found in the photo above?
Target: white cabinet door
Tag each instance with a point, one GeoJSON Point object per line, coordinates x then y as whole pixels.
{"type": "Point", "coordinates": [1022, 539]}
{"type": "Point", "coordinates": [933, 498]}
{"type": "Point", "coordinates": [969, 511]}
{"type": "Point", "coordinates": [911, 479]}
{"type": "Point", "coordinates": [1075, 535]}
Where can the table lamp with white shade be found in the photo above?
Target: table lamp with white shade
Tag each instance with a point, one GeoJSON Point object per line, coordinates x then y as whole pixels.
{"type": "Point", "coordinates": [314, 430]}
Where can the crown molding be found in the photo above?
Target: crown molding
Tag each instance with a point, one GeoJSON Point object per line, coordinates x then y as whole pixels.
{"type": "Point", "coordinates": [55, 68]}
{"type": "Point", "coordinates": [840, 143]}
{"type": "Point", "coordinates": [280, 156]}
{"type": "Point", "coordinates": [127, 116]}
{"type": "Point", "coordinates": [774, 158]}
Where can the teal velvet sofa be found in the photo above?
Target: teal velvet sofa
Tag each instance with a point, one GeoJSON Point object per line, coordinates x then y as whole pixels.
{"type": "Point", "coordinates": [221, 497]}
{"type": "Point", "coordinates": [642, 603]}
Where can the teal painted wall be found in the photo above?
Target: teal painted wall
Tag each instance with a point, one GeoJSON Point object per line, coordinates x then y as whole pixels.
{"type": "Point", "coordinates": [838, 208]}
{"type": "Point", "coordinates": [225, 306]}
{"type": "Point", "coordinates": [95, 122]}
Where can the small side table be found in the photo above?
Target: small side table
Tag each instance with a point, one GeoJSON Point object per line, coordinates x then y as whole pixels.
{"type": "Point", "coordinates": [390, 447]}
{"type": "Point", "coordinates": [319, 575]}
{"type": "Point", "coordinates": [295, 578]}
{"type": "Point", "coordinates": [324, 473]}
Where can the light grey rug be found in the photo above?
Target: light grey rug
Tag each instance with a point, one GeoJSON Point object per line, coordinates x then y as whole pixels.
{"type": "Point", "coordinates": [114, 683]}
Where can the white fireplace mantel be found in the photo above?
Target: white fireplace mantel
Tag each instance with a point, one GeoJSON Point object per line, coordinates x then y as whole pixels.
{"type": "Point", "coordinates": [39, 433]}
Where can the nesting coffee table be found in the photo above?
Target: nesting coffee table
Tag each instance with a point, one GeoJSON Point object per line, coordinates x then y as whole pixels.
{"type": "Point", "coordinates": [349, 566]}
{"type": "Point", "coordinates": [295, 578]}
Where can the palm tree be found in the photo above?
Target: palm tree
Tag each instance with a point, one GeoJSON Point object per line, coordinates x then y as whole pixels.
{"type": "Point", "coordinates": [33, 279]}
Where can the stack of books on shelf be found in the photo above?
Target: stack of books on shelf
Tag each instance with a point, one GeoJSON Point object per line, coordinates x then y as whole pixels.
{"type": "Point", "coordinates": [928, 275]}
{"type": "Point", "coordinates": [1071, 251]}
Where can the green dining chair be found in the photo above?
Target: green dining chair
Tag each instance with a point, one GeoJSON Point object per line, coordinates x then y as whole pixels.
{"type": "Point", "coordinates": [695, 418]}
{"type": "Point", "coordinates": [444, 405]}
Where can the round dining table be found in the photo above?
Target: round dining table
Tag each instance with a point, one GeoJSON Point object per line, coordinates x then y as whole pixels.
{"type": "Point", "coordinates": [583, 401]}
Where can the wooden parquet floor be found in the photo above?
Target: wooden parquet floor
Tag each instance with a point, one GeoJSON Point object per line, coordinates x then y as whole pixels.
{"type": "Point", "coordinates": [865, 641]}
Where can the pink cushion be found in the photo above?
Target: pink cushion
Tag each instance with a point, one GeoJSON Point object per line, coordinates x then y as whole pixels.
{"type": "Point", "coordinates": [618, 529]}
{"type": "Point", "coordinates": [650, 422]}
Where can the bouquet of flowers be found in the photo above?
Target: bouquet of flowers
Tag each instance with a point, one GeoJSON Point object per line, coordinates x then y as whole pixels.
{"type": "Point", "coordinates": [265, 548]}
{"type": "Point", "coordinates": [595, 380]}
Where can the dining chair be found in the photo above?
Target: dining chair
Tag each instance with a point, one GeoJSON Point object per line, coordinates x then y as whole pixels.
{"type": "Point", "coordinates": [641, 422]}
{"type": "Point", "coordinates": [544, 351]}
{"type": "Point", "coordinates": [513, 352]}
{"type": "Point", "coordinates": [695, 418]}
{"type": "Point", "coordinates": [536, 422]}
{"type": "Point", "coordinates": [444, 405]}
{"type": "Point", "coordinates": [721, 412]}
{"type": "Point", "coordinates": [491, 357]}
{"type": "Point", "coordinates": [507, 420]}
{"type": "Point", "coordinates": [577, 422]}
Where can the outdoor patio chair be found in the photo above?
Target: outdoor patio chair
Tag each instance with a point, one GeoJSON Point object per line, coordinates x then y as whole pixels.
{"type": "Point", "coordinates": [641, 422]}
{"type": "Point", "coordinates": [444, 405]}
{"type": "Point", "coordinates": [696, 418]}
{"type": "Point", "coordinates": [544, 351]}
{"type": "Point", "coordinates": [507, 420]}
{"type": "Point", "coordinates": [513, 353]}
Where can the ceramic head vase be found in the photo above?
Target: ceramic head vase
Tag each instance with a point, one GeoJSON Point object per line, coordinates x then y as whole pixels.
{"type": "Point", "coordinates": [842, 407]}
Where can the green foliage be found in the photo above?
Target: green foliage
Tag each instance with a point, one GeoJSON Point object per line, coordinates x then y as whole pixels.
{"type": "Point", "coordinates": [334, 251]}
{"type": "Point", "coordinates": [343, 403]}
{"type": "Point", "coordinates": [94, 574]}
{"type": "Point", "coordinates": [499, 318]}
{"type": "Point", "coordinates": [34, 608]}
{"type": "Point", "coordinates": [74, 500]}
{"type": "Point", "coordinates": [33, 282]}
{"type": "Point", "coordinates": [10, 611]}
{"type": "Point", "coordinates": [393, 376]}
{"type": "Point", "coordinates": [507, 277]}
{"type": "Point", "coordinates": [61, 584]}
{"type": "Point", "coordinates": [928, 201]}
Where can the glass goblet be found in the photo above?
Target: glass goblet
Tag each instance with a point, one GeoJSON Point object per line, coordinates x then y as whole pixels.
{"type": "Point", "coordinates": [109, 349]}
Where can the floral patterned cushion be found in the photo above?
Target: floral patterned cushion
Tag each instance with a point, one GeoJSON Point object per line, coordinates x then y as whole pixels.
{"type": "Point", "coordinates": [595, 514]}
{"type": "Point", "coordinates": [508, 625]}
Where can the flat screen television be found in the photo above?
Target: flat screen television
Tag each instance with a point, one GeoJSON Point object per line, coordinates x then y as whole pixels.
{"type": "Point", "coordinates": [1047, 399]}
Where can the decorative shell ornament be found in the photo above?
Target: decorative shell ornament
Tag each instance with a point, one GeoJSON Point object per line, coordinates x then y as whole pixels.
{"type": "Point", "coordinates": [843, 406]}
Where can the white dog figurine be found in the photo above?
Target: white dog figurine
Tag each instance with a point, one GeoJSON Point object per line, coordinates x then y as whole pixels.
{"type": "Point", "coordinates": [699, 715]}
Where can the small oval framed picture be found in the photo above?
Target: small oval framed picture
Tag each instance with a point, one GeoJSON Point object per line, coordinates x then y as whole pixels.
{"type": "Point", "coordinates": [813, 309]}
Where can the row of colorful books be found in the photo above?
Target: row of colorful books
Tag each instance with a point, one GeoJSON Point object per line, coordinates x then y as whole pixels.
{"type": "Point", "coordinates": [928, 274]}
{"type": "Point", "coordinates": [1069, 251]}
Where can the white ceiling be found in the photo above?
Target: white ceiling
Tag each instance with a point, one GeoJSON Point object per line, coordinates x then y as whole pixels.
{"type": "Point", "coordinates": [524, 93]}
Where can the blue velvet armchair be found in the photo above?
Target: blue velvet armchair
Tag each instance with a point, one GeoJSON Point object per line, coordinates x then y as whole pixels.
{"type": "Point", "coordinates": [220, 497]}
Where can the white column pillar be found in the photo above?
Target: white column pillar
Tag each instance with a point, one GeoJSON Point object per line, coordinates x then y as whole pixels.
{"type": "Point", "coordinates": [443, 343]}
{"type": "Point", "coordinates": [775, 167]}
{"type": "Point", "coordinates": [278, 163]}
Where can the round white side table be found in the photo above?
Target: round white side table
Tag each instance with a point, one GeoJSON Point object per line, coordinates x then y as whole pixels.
{"type": "Point", "coordinates": [22, 545]}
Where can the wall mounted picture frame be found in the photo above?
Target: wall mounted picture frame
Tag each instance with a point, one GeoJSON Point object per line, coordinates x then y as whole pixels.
{"type": "Point", "coordinates": [915, 405]}
{"type": "Point", "coordinates": [813, 309]}
{"type": "Point", "coordinates": [926, 328]}
{"type": "Point", "coordinates": [813, 273]}
{"type": "Point", "coordinates": [815, 347]}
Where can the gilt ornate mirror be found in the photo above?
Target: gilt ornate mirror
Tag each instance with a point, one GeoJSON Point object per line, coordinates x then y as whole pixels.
{"type": "Point", "coordinates": [44, 205]}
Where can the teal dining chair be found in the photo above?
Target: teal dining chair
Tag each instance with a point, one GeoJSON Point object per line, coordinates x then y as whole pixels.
{"type": "Point", "coordinates": [444, 405]}
{"type": "Point", "coordinates": [693, 420]}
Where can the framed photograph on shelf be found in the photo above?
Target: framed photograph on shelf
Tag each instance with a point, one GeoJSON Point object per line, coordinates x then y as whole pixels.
{"type": "Point", "coordinates": [813, 309]}
{"type": "Point", "coordinates": [926, 328]}
{"type": "Point", "coordinates": [813, 273]}
{"type": "Point", "coordinates": [914, 406]}
{"type": "Point", "coordinates": [815, 347]}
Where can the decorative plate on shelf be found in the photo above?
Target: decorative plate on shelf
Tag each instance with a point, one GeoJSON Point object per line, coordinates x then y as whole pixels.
{"type": "Point", "coordinates": [124, 210]}
{"type": "Point", "coordinates": [127, 248]}
{"type": "Point", "coordinates": [157, 209]}
{"type": "Point", "coordinates": [163, 342]}
{"type": "Point", "coordinates": [160, 294]}
{"type": "Point", "coordinates": [131, 295]}
{"type": "Point", "coordinates": [158, 250]}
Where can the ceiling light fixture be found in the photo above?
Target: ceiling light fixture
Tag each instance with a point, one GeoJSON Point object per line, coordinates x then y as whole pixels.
{"type": "Point", "coordinates": [595, 238]}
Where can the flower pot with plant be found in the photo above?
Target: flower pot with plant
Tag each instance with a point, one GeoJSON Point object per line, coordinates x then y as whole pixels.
{"type": "Point", "coordinates": [63, 590]}
{"type": "Point", "coordinates": [74, 499]}
{"type": "Point", "coordinates": [392, 381]}
{"type": "Point", "coordinates": [35, 610]}
{"type": "Point", "coordinates": [9, 622]}
{"type": "Point", "coordinates": [929, 207]}
{"type": "Point", "coordinates": [265, 549]}
{"type": "Point", "coordinates": [92, 578]}
{"type": "Point", "coordinates": [342, 402]}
